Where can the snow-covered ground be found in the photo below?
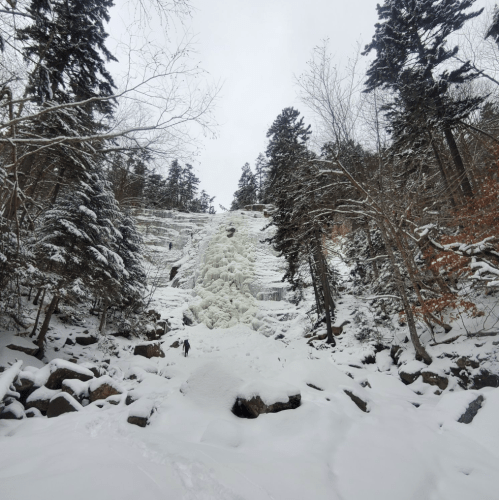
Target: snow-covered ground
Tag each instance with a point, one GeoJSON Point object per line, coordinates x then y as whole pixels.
{"type": "Point", "coordinates": [408, 446]}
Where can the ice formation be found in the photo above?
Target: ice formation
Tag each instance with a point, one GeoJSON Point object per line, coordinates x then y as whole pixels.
{"type": "Point", "coordinates": [225, 279]}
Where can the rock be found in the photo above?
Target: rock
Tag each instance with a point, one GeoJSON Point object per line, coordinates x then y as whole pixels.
{"type": "Point", "coordinates": [40, 399]}
{"type": "Point", "coordinates": [279, 337]}
{"type": "Point", "coordinates": [62, 370]}
{"type": "Point", "coordinates": [141, 412]}
{"type": "Point", "coordinates": [30, 348]}
{"type": "Point", "coordinates": [149, 350]}
{"type": "Point", "coordinates": [358, 401]}
{"type": "Point", "coordinates": [230, 232]}
{"type": "Point", "coordinates": [33, 412]}
{"type": "Point", "coordinates": [470, 413]}
{"type": "Point", "coordinates": [131, 397]}
{"type": "Point", "coordinates": [13, 411]}
{"type": "Point", "coordinates": [485, 379]}
{"type": "Point", "coordinates": [432, 378]}
{"type": "Point", "coordinates": [174, 272]}
{"type": "Point", "coordinates": [395, 353]}
{"type": "Point", "coordinates": [251, 408]}
{"type": "Point", "coordinates": [258, 208]}
{"type": "Point", "coordinates": [465, 362]}
{"type": "Point", "coordinates": [188, 319]}
{"type": "Point", "coordinates": [102, 388]}
{"type": "Point", "coordinates": [315, 387]}
{"type": "Point", "coordinates": [175, 344]}
{"type": "Point", "coordinates": [24, 385]}
{"type": "Point", "coordinates": [69, 341]}
{"type": "Point", "coordinates": [75, 388]}
{"type": "Point", "coordinates": [62, 403]}
{"type": "Point", "coordinates": [409, 378]}
{"type": "Point", "coordinates": [86, 340]}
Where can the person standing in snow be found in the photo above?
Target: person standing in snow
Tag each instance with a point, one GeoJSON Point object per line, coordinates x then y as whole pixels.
{"type": "Point", "coordinates": [171, 244]}
{"type": "Point", "coordinates": [187, 346]}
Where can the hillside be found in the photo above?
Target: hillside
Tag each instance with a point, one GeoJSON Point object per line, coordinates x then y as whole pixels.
{"type": "Point", "coordinates": [371, 421]}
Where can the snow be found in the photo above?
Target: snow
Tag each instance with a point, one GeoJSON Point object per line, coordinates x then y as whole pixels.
{"type": "Point", "coordinates": [42, 394]}
{"type": "Point", "coordinates": [7, 379]}
{"type": "Point", "coordinates": [409, 446]}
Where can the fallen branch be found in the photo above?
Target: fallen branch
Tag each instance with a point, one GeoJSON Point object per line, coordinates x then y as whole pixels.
{"type": "Point", "coordinates": [448, 341]}
{"type": "Point", "coordinates": [481, 333]}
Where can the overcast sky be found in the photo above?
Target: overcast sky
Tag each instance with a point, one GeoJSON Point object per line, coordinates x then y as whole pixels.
{"type": "Point", "coordinates": [256, 48]}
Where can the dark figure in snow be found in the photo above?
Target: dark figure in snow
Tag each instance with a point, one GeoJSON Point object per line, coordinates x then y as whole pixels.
{"type": "Point", "coordinates": [187, 346]}
{"type": "Point", "coordinates": [170, 246]}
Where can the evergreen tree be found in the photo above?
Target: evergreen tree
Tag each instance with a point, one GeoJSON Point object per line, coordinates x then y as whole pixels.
{"type": "Point", "coordinates": [66, 40]}
{"type": "Point", "coordinates": [188, 188]}
{"type": "Point", "coordinates": [77, 245]}
{"type": "Point", "coordinates": [247, 194]}
{"type": "Point", "coordinates": [293, 188]}
{"type": "Point", "coordinates": [174, 184]}
{"type": "Point", "coordinates": [261, 168]}
{"type": "Point", "coordinates": [411, 60]}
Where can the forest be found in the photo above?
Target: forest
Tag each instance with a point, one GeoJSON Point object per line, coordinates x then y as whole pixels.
{"type": "Point", "coordinates": [80, 151]}
{"type": "Point", "coordinates": [403, 164]}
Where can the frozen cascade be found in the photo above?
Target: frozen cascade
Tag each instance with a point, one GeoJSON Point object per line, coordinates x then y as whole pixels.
{"type": "Point", "coordinates": [225, 279]}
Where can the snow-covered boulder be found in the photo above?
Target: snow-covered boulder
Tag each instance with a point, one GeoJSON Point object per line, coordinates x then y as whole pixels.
{"type": "Point", "coordinates": [357, 399]}
{"type": "Point", "coordinates": [149, 350]}
{"type": "Point", "coordinates": [59, 370]}
{"type": "Point", "coordinates": [140, 412]}
{"type": "Point", "coordinates": [40, 399]}
{"type": "Point", "coordinates": [260, 397]}
{"type": "Point", "coordinates": [33, 412]}
{"type": "Point", "coordinates": [13, 411]}
{"type": "Point", "coordinates": [76, 388]}
{"type": "Point", "coordinates": [62, 403]}
{"type": "Point", "coordinates": [411, 371]}
{"type": "Point", "coordinates": [103, 387]}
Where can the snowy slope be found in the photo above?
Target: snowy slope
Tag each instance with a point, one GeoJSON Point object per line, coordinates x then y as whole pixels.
{"type": "Point", "coordinates": [408, 446]}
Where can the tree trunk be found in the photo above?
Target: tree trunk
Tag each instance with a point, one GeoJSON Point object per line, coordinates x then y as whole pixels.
{"type": "Point", "coordinates": [458, 161]}
{"type": "Point", "coordinates": [316, 292]}
{"type": "Point", "coordinates": [443, 174]}
{"type": "Point", "coordinates": [45, 326]}
{"type": "Point", "coordinates": [371, 250]}
{"type": "Point", "coordinates": [37, 296]}
{"type": "Point", "coordinates": [420, 350]}
{"type": "Point", "coordinates": [102, 325]}
{"type": "Point", "coordinates": [38, 314]}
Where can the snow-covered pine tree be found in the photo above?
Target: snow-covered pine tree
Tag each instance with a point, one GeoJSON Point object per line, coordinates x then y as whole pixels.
{"type": "Point", "coordinates": [77, 243]}
{"type": "Point", "coordinates": [188, 188]}
{"type": "Point", "coordinates": [412, 61]}
{"type": "Point", "coordinates": [130, 247]}
{"type": "Point", "coordinates": [247, 194]}
{"type": "Point", "coordinates": [174, 184]}
{"type": "Point", "coordinates": [294, 190]}
{"type": "Point", "coordinates": [261, 168]}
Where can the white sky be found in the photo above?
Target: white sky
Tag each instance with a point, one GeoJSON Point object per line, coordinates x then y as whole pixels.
{"type": "Point", "coordinates": [255, 48]}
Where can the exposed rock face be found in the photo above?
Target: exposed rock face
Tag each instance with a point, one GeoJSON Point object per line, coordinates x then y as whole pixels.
{"type": "Point", "coordinates": [173, 272]}
{"type": "Point", "coordinates": [62, 403]}
{"type": "Point", "coordinates": [76, 388]}
{"type": "Point", "coordinates": [149, 350]}
{"type": "Point", "coordinates": [395, 353]}
{"type": "Point", "coordinates": [86, 340]}
{"type": "Point", "coordinates": [102, 388]}
{"type": "Point", "coordinates": [253, 407]}
{"type": "Point", "coordinates": [13, 411]}
{"type": "Point", "coordinates": [358, 401]}
{"type": "Point", "coordinates": [434, 379]}
{"type": "Point", "coordinates": [66, 372]}
{"type": "Point", "coordinates": [470, 413]}
{"type": "Point", "coordinates": [175, 344]}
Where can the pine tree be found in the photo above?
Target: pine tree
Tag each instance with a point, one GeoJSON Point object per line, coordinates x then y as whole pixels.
{"type": "Point", "coordinates": [77, 245]}
{"type": "Point", "coordinates": [411, 60]}
{"type": "Point", "coordinates": [293, 189]}
{"type": "Point", "coordinates": [261, 168]}
{"type": "Point", "coordinates": [247, 194]}
{"type": "Point", "coordinates": [174, 184]}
